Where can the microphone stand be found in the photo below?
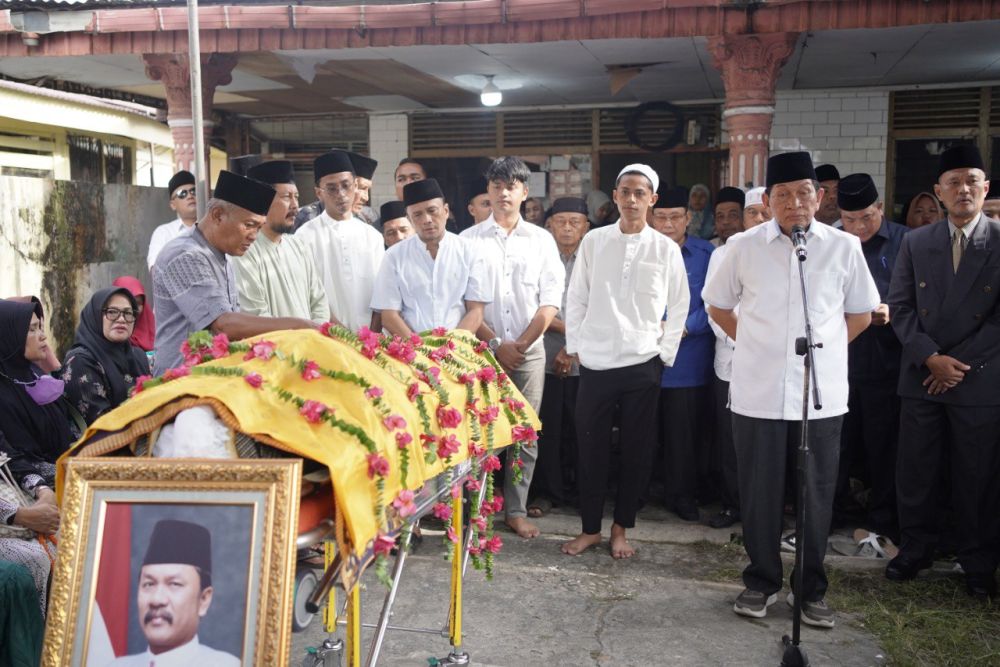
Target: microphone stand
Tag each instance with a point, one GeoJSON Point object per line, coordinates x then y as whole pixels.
{"type": "Point", "coordinates": [794, 654]}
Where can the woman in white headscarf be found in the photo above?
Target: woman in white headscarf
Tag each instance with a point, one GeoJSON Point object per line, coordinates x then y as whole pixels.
{"type": "Point", "coordinates": [700, 205]}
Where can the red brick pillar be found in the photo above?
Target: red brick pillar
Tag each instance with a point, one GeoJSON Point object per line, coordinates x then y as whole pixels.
{"type": "Point", "coordinates": [174, 71]}
{"type": "Point", "coordinates": [750, 65]}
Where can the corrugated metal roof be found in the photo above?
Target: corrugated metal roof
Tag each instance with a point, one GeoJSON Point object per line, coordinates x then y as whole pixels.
{"type": "Point", "coordinates": [16, 5]}
{"type": "Point", "coordinates": [89, 100]}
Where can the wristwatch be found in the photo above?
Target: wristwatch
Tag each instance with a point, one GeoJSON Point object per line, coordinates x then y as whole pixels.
{"type": "Point", "coordinates": [494, 344]}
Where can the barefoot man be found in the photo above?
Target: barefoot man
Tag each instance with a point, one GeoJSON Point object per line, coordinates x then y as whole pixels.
{"type": "Point", "coordinates": [627, 275]}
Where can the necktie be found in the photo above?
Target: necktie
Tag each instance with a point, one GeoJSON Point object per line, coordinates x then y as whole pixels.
{"type": "Point", "coordinates": [957, 248]}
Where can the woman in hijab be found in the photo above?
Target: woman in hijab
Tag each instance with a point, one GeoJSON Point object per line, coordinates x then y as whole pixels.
{"type": "Point", "coordinates": [922, 210]}
{"type": "Point", "coordinates": [51, 362]}
{"type": "Point", "coordinates": [145, 324]}
{"type": "Point", "coordinates": [34, 432]}
{"type": "Point", "coordinates": [102, 366]}
{"type": "Point", "coordinates": [699, 204]}
{"type": "Point", "coordinates": [598, 205]}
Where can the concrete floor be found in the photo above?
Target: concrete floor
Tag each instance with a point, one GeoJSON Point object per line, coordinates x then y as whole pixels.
{"type": "Point", "coordinates": [545, 608]}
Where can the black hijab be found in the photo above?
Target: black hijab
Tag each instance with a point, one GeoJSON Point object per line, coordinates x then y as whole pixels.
{"type": "Point", "coordinates": [36, 434]}
{"type": "Point", "coordinates": [117, 359]}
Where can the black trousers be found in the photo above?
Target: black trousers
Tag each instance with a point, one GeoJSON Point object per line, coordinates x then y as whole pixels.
{"type": "Point", "coordinates": [636, 389]}
{"type": "Point", "coordinates": [966, 440]}
{"type": "Point", "coordinates": [762, 448]}
{"type": "Point", "coordinates": [685, 439]}
{"type": "Point", "coordinates": [725, 451]}
{"type": "Point", "coordinates": [557, 441]}
{"type": "Point", "coordinates": [870, 436]}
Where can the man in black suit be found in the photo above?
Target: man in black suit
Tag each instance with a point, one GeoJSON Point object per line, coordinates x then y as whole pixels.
{"type": "Point", "coordinates": [945, 309]}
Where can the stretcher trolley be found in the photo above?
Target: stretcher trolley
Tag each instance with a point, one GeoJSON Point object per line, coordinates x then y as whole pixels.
{"type": "Point", "coordinates": [389, 431]}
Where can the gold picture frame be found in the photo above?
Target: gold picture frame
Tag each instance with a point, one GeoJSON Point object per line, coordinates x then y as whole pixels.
{"type": "Point", "coordinates": [248, 508]}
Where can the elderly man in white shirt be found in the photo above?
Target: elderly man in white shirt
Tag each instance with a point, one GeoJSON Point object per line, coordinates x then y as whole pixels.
{"type": "Point", "coordinates": [184, 202]}
{"type": "Point", "coordinates": [527, 292]}
{"type": "Point", "coordinates": [627, 275]}
{"type": "Point", "coordinates": [759, 273]}
{"type": "Point", "coordinates": [347, 251]}
{"type": "Point", "coordinates": [433, 279]}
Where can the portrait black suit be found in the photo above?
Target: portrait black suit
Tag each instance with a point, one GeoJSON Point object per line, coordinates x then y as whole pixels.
{"type": "Point", "coordinates": [936, 310]}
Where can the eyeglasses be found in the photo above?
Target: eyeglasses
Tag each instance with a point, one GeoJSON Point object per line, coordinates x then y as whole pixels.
{"type": "Point", "coordinates": [112, 315]}
{"type": "Point", "coordinates": [184, 194]}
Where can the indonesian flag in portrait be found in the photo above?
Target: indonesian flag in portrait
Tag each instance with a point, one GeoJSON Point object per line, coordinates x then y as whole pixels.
{"type": "Point", "coordinates": [109, 623]}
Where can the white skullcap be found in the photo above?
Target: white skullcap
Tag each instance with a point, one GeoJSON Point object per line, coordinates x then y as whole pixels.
{"type": "Point", "coordinates": [645, 170]}
{"type": "Point", "coordinates": [755, 196]}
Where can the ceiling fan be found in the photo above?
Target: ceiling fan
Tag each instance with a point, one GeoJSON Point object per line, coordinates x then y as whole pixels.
{"type": "Point", "coordinates": [479, 81]}
{"type": "Point", "coordinates": [490, 86]}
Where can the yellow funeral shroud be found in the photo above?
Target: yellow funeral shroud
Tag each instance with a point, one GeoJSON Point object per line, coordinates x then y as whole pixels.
{"type": "Point", "coordinates": [268, 412]}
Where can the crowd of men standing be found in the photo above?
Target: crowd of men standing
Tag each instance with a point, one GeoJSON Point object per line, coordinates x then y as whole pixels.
{"type": "Point", "coordinates": [678, 319]}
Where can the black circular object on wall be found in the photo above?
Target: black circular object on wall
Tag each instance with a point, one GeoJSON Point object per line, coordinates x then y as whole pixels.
{"type": "Point", "coordinates": [634, 122]}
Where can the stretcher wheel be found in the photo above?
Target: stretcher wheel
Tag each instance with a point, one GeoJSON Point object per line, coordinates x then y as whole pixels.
{"type": "Point", "coordinates": [305, 583]}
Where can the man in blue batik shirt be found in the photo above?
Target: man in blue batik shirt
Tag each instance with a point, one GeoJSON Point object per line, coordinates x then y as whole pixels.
{"type": "Point", "coordinates": [685, 393]}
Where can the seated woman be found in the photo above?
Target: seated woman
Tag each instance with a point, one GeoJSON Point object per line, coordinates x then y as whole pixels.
{"type": "Point", "coordinates": [35, 424]}
{"type": "Point", "coordinates": [103, 365]}
{"type": "Point", "coordinates": [21, 626]}
{"type": "Point", "coordinates": [51, 362]}
{"type": "Point", "coordinates": [145, 322]}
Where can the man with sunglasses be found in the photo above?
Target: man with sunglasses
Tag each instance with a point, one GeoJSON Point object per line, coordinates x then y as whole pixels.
{"type": "Point", "coordinates": [184, 202]}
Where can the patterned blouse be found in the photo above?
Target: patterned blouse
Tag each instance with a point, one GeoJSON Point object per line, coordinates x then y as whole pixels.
{"type": "Point", "coordinates": [87, 387]}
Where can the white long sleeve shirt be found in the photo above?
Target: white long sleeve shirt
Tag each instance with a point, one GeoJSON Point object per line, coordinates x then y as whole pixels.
{"type": "Point", "coordinates": [348, 254]}
{"type": "Point", "coordinates": [527, 274]}
{"type": "Point", "coordinates": [621, 287]}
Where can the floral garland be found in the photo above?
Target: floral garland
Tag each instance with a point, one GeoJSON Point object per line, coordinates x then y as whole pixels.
{"type": "Point", "coordinates": [202, 347]}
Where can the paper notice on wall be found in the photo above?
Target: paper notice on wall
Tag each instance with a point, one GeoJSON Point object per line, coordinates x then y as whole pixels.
{"type": "Point", "coordinates": [537, 184]}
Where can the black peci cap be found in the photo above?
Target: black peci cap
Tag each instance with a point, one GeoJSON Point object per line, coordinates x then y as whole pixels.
{"type": "Point", "coordinates": [273, 172]}
{"type": "Point", "coordinates": [827, 172]}
{"type": "Point", "coordinates": [182, 177]}
{"type": "Point", "coordinates": [180, 542]}
{"type": "Point", "coordinates": [392, 210]}
{"type": "Point", "coordinates": [962, 156]}
{"type": "Point", "coordinates": [732, 195]}
{"type": "Point", "coordinates": [675, 197]}
{"type": "Point", "coordinates": [788, 167]}
{"type": "Point", "coordinates": [420, 191]}
{"type": "Point", "coordinates": [856, 192]}
{"type": "Point", "coordinates": [364, 166]}
{"type": "Point", "coordinates": [334, 162]}
{"type": "Point", "coordinates": [244, 192]}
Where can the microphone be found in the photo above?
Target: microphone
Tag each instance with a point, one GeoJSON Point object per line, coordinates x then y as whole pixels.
{"type": "Point", "coordinates": [799, 242]}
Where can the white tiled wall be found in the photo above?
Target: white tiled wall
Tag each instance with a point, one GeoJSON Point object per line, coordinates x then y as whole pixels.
{"type": "Point", "coordinates": [388, 142]}
{"type": "Point", "coordinates": [848, 129]}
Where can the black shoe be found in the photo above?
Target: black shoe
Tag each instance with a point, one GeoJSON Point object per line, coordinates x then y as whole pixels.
{"type": "Point", "coordinates": [904, 567]}
{"type": "Point", "coordinates": [982, 587]}
{"type": "Point", "coordinates": [686, 508]}
{"type": "Point", "coordinates": [724, 519]}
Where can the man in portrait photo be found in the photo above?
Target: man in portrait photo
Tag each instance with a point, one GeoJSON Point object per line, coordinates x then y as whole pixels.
{"type": "Point", "coordinates": [174, 594]}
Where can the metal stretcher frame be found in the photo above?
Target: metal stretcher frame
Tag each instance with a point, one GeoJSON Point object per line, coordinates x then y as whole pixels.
{"type": "Point", "coordinates": [324, 594]}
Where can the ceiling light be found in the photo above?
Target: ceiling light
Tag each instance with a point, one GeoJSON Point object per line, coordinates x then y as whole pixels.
{"type": "Point", "coordinates": [490, 95]}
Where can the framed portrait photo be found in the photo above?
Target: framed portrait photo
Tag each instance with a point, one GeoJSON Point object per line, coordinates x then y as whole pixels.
{"type": "Point", "coordinates": [174, 562]}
